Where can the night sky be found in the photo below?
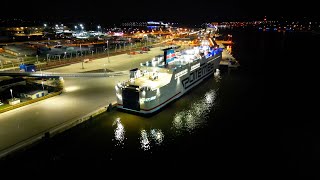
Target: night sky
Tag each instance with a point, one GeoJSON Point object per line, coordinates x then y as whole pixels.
{"type": "Point", "coordinates": [178, 11]}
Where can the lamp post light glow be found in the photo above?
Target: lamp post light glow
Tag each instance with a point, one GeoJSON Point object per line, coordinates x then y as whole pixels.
{"type": "Point", "coordinates": [108, 51]}
{"type": "Point", "coordinates": [42, 86]}
{"type": "Point", "coordinates": [11, 94]}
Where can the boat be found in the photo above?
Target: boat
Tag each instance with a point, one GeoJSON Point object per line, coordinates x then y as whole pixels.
{"type": "Point", "coordinates": [167, 77]}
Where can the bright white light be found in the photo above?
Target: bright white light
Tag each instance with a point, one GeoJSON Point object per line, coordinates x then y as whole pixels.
{"type": "Point", "coordinates": [158, 92]}
{"type": "Point", "coordinates": [119, 96]}
{"type": "Point", "coordinates": [217, 73]}
{"type": "Point", "coordinates": [142, 101]}
{"type": "Point", "coordinates": [119, 132]}
{"type": "Point", "coordinates": [150, 98]}
{"type": "Point", "coordinates": [217, 76]}
{"type": "Point", "coordinates": [157, 136]}
{"type": "Point", "coordinates": [72, 88]}
{"type": "Point", "coordinates": [143, 93]}
{"type": "Point", "coordinates": [209, 97]}
{"type": "Point", "coordinates": [144, 141]}
{"type": "Point", "coordinates": [153, 63]}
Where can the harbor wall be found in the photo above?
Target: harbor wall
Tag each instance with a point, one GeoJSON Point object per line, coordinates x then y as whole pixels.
{"type": "Point", "coordinates": [49, 133]}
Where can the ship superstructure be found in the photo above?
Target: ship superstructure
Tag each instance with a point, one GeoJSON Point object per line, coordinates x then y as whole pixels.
{"type": "Point", "coordinates": [167, 77]}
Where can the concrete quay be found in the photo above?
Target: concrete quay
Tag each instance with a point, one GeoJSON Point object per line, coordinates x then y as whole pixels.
{"type": "Point", "coordinates": [81, 99]}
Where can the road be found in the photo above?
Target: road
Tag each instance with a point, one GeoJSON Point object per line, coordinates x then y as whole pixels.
{"type": "Point", "coordinates": [81, 96]}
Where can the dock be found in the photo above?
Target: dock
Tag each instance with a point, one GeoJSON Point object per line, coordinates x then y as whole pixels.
{"type": "Point", "coordinates": [228, 61]}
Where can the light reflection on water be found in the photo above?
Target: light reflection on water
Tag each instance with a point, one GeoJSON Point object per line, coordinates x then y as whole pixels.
{"type": "Point", "coordinates": [217, 76]}
{"type": "Point", "coordinates": [119, 132]}
{"type": "Point", "coordinates": [144, 141]}
{"type": "Point", "coordinates": [155, 136]}
{"type": "Point", "coordinates": [194, 116]}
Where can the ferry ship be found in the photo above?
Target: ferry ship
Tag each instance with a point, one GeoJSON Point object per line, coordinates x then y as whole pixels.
{"type": "Point", "coordinates": [167, 77]}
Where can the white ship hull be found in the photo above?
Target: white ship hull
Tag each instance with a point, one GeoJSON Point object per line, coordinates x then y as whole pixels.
{"type": "Point", "coordinates": [183, 79]}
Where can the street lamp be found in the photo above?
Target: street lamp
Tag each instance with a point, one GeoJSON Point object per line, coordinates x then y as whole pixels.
{"type": "Point", "coordinates": [42, 86]}
{"type": "Point", "coordinates": [130, 49]}
{"type": "Point", "coordinates": [81, 26]}
{"type": "Point", "coordinates": [11, 94]}
{"type": "Point", "coordinates": [108, 51]}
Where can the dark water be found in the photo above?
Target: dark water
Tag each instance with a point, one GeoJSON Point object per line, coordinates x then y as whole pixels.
{"type": "Point", "coordinates": [229, 125]}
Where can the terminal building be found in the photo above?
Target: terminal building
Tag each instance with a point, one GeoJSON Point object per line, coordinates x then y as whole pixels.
{"type": "Point", "coordinates": [34, 94]}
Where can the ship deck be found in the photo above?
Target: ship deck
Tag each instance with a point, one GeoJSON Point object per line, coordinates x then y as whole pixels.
{"type": "Point", "coordinates": [151, 80]}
